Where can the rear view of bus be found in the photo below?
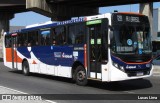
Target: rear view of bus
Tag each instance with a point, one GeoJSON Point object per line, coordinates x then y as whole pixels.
{"type": "Point", "coordinates": [130, 46]}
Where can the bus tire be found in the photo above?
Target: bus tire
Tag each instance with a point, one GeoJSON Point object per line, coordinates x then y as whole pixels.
{"type": "Point", "coordinates": [25, 68]}
{"type": "Point", "coordinates": [80, 76]}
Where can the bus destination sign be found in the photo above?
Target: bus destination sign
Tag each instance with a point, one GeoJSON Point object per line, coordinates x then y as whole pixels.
{"type": "Point", "coordinates": [127, 18]}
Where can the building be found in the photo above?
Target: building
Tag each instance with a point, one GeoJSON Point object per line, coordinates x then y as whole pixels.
{"type": "Point", "coordinates": [15, 28]}
{"type": "Point", "coordinates": [156, 25]}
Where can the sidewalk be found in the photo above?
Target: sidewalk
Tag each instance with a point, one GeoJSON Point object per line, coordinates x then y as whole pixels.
{"type": "Point", "coordinates": [6, 94]}
{"type": "Point", "coordinates": [156, 70]}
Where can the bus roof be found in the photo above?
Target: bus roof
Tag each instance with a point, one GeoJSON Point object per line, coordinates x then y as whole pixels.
{"type": "Point", "coordinates": [81, 19]}
{"type": "Point", "coordinates": [47, 25]}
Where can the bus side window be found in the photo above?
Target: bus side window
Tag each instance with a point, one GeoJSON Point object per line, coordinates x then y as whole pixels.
{"type": "Point", "coordinates": [45, 37]}
{"type": "Point", "coordinates": [8, 41]}
{"type": "Point", "coordinates": [24, 38]}
{"type": "Point", "coordinates": [80, 33]}
{"type": "Point", "coordinates": [53, 36]}
{"type": "Point", "coordinates": [21, 39]}
{"type": "Point", "coordinates": [76, 34]}
{"type": "Point", "coordinates": [32, 39]}
{"type": "Point", "coordinates": [35, 39]}
{"type": "Point", "coordinates": [60, 35]}
{"type": "Point", "coordinates": [71, 35]}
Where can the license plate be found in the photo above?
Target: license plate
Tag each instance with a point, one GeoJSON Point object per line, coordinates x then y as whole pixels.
{"type": "Point", "coordinates": [139, 73]}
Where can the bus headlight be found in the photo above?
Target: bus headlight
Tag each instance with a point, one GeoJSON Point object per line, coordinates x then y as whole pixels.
{"type": "Point", "coordinates": [121, 67]}
{"type": "Point", "coordinates": [118, 66]}
{"type": "Point", "coordinates": [148, 65]}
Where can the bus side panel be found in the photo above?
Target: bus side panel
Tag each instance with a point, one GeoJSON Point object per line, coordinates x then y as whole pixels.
{"type": "Point", "coordinates": [105, 72]}
{"type": "Point", "coordinates": [52, 60]}
{"type": "Point", "coordinates": [64, 71]}
{"type": "Point", "coordinates": [18, 60]}
{"type": "Point", "coordinates": [8, 57]}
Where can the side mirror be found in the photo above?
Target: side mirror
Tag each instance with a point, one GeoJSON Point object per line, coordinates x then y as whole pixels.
{"type": "Point", "coordinates": [111, 32]}
{"type": "Point", "coordinates": [111, 35]}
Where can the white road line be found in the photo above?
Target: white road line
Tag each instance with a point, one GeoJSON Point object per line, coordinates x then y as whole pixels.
{"type": "Point", "coordinates": [129, 92]}
{"type": "Point", "coordinates": [50, 101]}
{"type": "Point", "coordinates": [24, 93]}
{"type": "Point", "coordinates": [13, 90]}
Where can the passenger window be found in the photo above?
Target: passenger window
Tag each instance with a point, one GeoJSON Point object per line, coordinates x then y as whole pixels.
{"type": "Point", "coordinates": [32, 38]}
{"type": "Point", "coordinates": [7, 41]}
{"type": "Point", "coordinates": [23, 39]}
{"type": "Point", "coordinates": [80, 34]}
{"type": "Point", "coordinates": [45, 37]}
{"type": "Point", "coordinates": [76, 34]}
{"type": "Point", "coordinates": [71, 36]}
{"type": "Point", "coordinates": [59, 36]}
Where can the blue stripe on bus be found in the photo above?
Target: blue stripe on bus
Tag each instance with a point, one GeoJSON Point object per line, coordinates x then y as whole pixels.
{"type": "Point", "coordinates": [54, 55]}
{"type": "Point", "coordinates": [24, 51]}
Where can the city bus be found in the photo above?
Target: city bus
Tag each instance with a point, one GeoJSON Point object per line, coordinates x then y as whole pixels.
{"type": "Point", "coordinates": [108, 47]}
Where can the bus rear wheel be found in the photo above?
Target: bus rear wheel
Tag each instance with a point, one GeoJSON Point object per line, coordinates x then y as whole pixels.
{"type": "Point", "coordinates": [80, 76]}
{"type": "Point", "coordinates": [25, 68]}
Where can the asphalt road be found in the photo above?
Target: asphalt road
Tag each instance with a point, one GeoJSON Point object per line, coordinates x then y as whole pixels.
{"type": "Point", "coordinates": [43, 84]}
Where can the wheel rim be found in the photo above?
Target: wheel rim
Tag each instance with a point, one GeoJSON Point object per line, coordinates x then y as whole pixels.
{"type": "Point", "coordinates": [81, 76]}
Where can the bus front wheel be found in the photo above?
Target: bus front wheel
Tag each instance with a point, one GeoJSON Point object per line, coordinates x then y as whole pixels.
{"type": "Point", "coordinates": [80, 76]}
{"type": "Point", "coordinates": [25, 68]}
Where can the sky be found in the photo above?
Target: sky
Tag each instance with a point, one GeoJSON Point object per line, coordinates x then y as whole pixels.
{"type": "Point", "coordinates": [28, 18]}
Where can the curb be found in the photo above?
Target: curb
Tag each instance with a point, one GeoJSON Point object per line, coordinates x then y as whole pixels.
{"type": "Point", "coordinates": [156, 69]}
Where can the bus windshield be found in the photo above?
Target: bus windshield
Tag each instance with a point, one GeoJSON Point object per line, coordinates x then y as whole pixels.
{"type": "Point", "coordinates": [131, 39]}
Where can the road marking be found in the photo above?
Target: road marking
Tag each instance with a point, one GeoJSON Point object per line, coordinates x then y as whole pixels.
{"type": "Point", "coordinates": [24, 93]}
{"type": "Point", "coordinates": [129, 92]}
{"type": "Point", "coordinates": [50, 101]}
{"type": "Point", "coordinates": [13, 90]}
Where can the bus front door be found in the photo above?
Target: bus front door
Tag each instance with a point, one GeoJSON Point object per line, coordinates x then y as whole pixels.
{"type": "Point", "coordinates": [95, 51]}
{"type": "Point", "coordinates": [14, 51]}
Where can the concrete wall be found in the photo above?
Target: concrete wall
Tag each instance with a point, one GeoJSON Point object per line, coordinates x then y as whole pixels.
{"type": "Point", "coordinates": [147, 9]}
{"type": "Point", "coordinates": [4, 27]}
{"type": "Point", "coordinates": [158, 19]}
{"type": "Point", "coordinates": [59, 12]}
{"type": "Point", "coordinates": [156, 23]}
{"type": "Point", "coordinates": [39, 6]}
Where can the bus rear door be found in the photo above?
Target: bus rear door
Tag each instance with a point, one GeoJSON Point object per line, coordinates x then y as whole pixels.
{"type": "Point", "coordinates": [14, 50]}
{"type": "Point", "coordinates": [97, 47]}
